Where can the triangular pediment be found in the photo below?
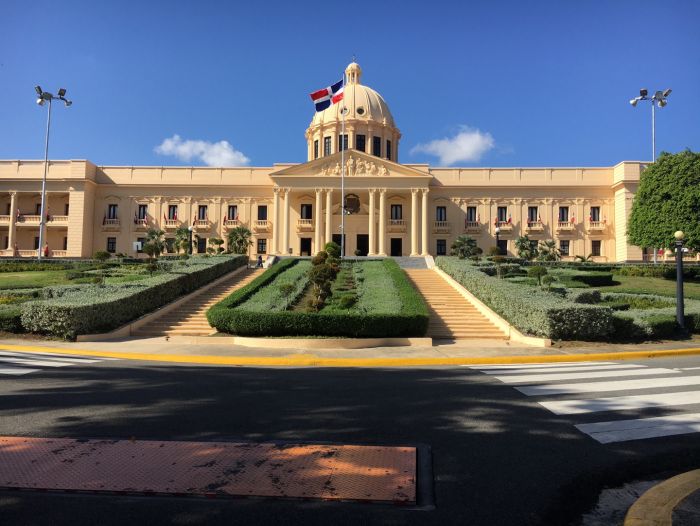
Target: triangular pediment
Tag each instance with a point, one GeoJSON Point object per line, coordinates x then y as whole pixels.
{"type": "Point", "coordinates": [357, 164]}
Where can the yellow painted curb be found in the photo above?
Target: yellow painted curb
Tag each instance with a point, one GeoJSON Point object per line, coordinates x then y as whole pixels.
{"type": "Point", "coordinates": [655, 507]}
{"type": "Point", "coordinates": [305, 360]}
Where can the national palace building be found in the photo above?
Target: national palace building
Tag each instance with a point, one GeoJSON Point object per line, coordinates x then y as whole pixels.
{"type": "Point", "coordinates": [392, 208]}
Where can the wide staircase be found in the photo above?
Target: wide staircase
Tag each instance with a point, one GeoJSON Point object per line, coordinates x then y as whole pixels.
{"type": "Point", "coordinates": [190, 318]}
{"type": "Point", "coordinates": [452, 316]}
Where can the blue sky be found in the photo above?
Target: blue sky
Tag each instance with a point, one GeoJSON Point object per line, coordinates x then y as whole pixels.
{"type": "Point", "coordinates": [505, 83]}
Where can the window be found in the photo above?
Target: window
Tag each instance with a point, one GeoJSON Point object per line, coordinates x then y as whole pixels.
{"type": "Point", "coordinates": [202, 213]}
{"type": "Point", "coordinates": [502, 245]}
{"type": "Point", "coordinates": [377, 146]}
{"type": "Point", "coordinates": [202, 245]}
{"type": "Point", "coordinates": [342, 142]}
{"type": "Point", "coordinates": [502, 213]}
{"type": "Point", "coordinates": [564, 214]}
{"type": "Point", "coordinates": [326, 146]}
{"type": "Point", "coordinates": [441, 213]}
{"type": "Point", "coordinates": [36, 242]}
{"type": "Point", "coordinates": [112, 211]}
{"type": "Point", "coordinates": [262, 246]}
{"type": "Point", "coordinates": [66, 207]}
{"type": "Point", "coordinates": [595, 247]}
{"type": "Point", "coordinates": [595, 213]}
{"type": "Point", "coordinates": [141, 241]}
{"type": "Point", "coordinates": [172, 211]}
{"type": "Point", "coordinates": [441, 247]}
{"type": "Point", "coordinates": [65, 243]}
{"type": "Point", "coordinates": [111, 245]}
{"type": "Point", "coordinates": [316, 149]}
{"type": "Point", "coordinates": [143, 211]}
{"type": "Point", "coordinates": [360, 142]}
{"type": "Point", "coordinates": [532, 214]}
{"type": "Point", "coordinates": [471, 214]}
{"type": "Point", "coordinates": [306, 211]}
{"type": "Point", "coordinates": [396, 212]}
{"type": "Point", "coordinates": [262, 212]}
{"type": "Point", "coordinates": [352, 204]}
{"type": "Point", "coordinates": [38, 209]}
{"type": "Point", "coordinates": [388, 150]}
{"type": "Point", "coordinates": [564, 247]}
{"type": "Point", "coordinates": [232, 213]}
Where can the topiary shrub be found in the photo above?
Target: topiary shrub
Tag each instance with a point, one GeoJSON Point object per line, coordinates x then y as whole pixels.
{"type": "Point", "coordinates": [537, 272]}
{"type": "Point", "coordinates": [101, 255]}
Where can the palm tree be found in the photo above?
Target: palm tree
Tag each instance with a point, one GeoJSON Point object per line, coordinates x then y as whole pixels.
{"type": "Point", "coordinates": [182, 239]}
{"type": "Point", "coordinates": [239, 240]}
{"type": "Point", "coordinates": [464, 247]}
{"type": "Point", "coordinates": [584, 259]}
{"type": "Point", "coordinates": [548, 251]}
{"type": "Point", "coordinates": [526, 248]}
{"type": "Point", "coordinates": [155, 244]}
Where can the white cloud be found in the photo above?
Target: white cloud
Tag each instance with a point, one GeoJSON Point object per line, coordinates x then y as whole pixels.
{"type": "Point", "coordinates": [468, 145]}
{"type": "Point", "coordinates": [210, 153]}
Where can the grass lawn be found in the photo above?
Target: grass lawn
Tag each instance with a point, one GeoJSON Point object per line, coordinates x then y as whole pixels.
{"type": "Point", "coordinates": [39, 278]}
{"type": "Point", "coordinates": [641, 285]}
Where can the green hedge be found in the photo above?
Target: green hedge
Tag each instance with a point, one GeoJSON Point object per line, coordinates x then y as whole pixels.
{"type": "Point", "coordinates": [410, 320]}
{"type": "Point", "coordinates": [74, 310]}
{"type": "Point", "coordinates": [531, 310]}
{"type": "Point", "coordinates": [10, 318]}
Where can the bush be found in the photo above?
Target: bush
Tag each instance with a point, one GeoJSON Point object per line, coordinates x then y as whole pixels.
{"type": "Point", "coordinates": [537, 272]}
{"type": "Point", "coordinates": [532, 310]}
{"type": "Point", "coordinates": [26, 266]}
{"type": "Point", "coordinates": [10, 318]}
{"type": "Point", "coordinates": [73, 310]}
{"type": "Point", "coordinates": [101, 255]}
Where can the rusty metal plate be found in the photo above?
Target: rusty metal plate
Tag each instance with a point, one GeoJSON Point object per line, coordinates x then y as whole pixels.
{"type": "Point", "coordinates": [327, 472]}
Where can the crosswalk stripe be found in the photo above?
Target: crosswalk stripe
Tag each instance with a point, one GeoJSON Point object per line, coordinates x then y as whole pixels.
{"type": "Point", "coordinates": [621, 367]}
{"type": "Point", "coordinates": [16, 371]}
{"type": "Point", "coordinates": [621, 403]}
{"type": "Point", "coordinates": [27, 361]}
{"type": "Point", "coordinates": [641, 428]}
{"type": "Point", "coordinates": [57, 356]}
{"type": "Point", "coordinates": [591, 375]}
{"type": "Point", "coordinates": [618, 385]}
{"type": "Point", "coordinates": [534, 365]}
{"type": "Point", "coordinates": [48, 357]}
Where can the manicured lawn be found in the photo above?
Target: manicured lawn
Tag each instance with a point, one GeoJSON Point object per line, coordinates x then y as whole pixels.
{"type": "Point", "coordinates": [662, 287]}
{"type": "Point", "coordinates": [39, 278]}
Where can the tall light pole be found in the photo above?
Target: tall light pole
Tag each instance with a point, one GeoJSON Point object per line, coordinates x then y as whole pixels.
{"type": "Point", "coordinates": [43, 97]}
{"type": "Point", "coordinates": [659, 97]}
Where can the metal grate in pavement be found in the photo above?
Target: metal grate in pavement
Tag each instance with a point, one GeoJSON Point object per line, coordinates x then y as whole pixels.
{"type": "Point", "coordinates": [327, 472]}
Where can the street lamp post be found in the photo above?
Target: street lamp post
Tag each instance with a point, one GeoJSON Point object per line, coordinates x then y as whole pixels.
{"type": "Point", "coordinates": [43, 97]}
{"type": "Point", "coordinates": [189, 230]}
{"type": "Point", "coordinates": [658, 98]}
{"type": "Point", "coordinates": [680, 315]}
{"type": "Point", "coordinates": [498, 233]}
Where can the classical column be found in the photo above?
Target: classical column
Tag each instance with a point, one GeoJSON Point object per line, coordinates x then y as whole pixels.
{"type": "Point", "coordinates": [414, 221]}
{"type": "Point", "coordinates": [382, 222]}
{"type": "Point", "coordinates": [317, 221]}
{"type": "Point", "coordinates": [274, 249]}
{"type": "Point", "coordinates": [372, 242]}
{"type": "Point", "coordinates": [285, 228]}
{"type": "Point", "coordinates": [12, 229]}
{"type": "Point", "coordinates": [329, 216]}
{"type": "Point", "coordinates": [424, 230]}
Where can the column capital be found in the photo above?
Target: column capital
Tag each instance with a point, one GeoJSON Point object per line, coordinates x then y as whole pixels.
{"type": "Point", "coordinates": [329, 190]}
{"type": "Point", "coordinates": [276, 189]}
{"type": "Point", "coordinates": [12, 193]}
{"type": "Point", "coordinates": [415, 191]}
{"type": "Point", "coordinates": [382, 191]}
{"type": "Point", "coordinates": [425, 190]}
{"type": "Point", "coordinates": [286, 190]}
{"type": "Point", "coordinates": [318, 191]}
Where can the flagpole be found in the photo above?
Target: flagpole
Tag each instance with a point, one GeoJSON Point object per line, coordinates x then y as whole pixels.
{"type": "Point", "coordinates": [342, 179]}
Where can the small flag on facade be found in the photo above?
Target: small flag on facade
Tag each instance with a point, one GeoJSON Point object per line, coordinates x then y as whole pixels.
{"type": "Point", "coordinates": [323, 98]}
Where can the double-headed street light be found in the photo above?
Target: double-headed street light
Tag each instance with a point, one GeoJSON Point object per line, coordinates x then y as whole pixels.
{"type": "Point", "coordinates": [659, 97]}
{"type": "Point", "coordinates": [45, 96]}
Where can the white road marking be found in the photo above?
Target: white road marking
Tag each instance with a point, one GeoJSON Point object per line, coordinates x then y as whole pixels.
{"type": "Point", "coordinates": [529, 379]}
{"type": "Point", "coordinates": [576, 369]}
{"type": "Point", "coordinates": [16, 371]}
{"type": "Point", "coordinates": [621, 403]}
{"type": "Point", "coordinates": [39, 363]}
{"type": "Point", "coordinates": [641, 428]}
{"type": "Point", "coordinates": [618, 385]}
{"type": "Point", "coordinates": [58, 357]}
{"type": "Point", "coordinates": [534, 365]}
{"type": "Point", "coordinates": [688, 368]}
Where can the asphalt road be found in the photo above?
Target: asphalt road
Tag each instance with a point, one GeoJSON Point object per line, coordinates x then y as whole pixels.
{"type": "Point", "coordinates": [498, 457]}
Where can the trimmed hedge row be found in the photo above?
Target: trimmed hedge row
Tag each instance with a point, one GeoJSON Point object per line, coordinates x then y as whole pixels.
{"type": "Point", "coordinates": [532, 310]}
{"type": "Point", "coordinates": [10, 318]}
{"type": "Point", "coordinates": [411, 320]}
{"type": "Point", "coordinates": [94, 309]}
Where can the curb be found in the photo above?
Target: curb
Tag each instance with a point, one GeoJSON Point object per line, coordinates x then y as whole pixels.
{"type": "Point", "coordinates": [310, 360]}
{"type": "Point", "coordinates": [655, 507]}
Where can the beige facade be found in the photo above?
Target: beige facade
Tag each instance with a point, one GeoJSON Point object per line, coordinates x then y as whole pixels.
{"type": "Point", "coordinates": [393, 209]}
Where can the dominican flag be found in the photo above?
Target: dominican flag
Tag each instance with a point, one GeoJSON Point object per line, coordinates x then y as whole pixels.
{"type": "Point", "coordinates": [323, 98]}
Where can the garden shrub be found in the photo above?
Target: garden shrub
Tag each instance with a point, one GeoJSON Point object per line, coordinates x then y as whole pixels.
{"type": "Point", "coordinates": [26, 266]}
{"type": "Point", "coordinates": [274, 297]}
{"type": "Point", "coordinates": [10, 318]}
{"type": "Point", "coordinates": [73, 310]}
{"type": "Point", "coordinates": [531, 310]}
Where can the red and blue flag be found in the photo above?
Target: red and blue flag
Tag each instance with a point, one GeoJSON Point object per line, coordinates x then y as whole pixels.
{"type": "Point", "coordinates": [323, 98]}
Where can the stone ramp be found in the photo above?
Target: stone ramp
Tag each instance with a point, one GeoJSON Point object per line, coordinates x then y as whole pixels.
{"type": "Point", "coordinates": [452, 316]}
{"type": "Point", "coordinates": [190, 319]}
{"type": "Point", "coordinates": [411, 262]}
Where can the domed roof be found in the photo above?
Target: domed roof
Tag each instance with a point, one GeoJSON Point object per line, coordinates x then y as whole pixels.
{"type": "Point", "coordinates": [362, 103]}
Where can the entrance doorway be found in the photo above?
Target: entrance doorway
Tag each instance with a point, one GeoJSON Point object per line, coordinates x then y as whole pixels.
{"type": "Point", "coordinates": [396, 248]}
{"type": "Point", "coordinates": [363, 244]}
{"type": "Point", "coordinates": [201, 245]}
{"type": "Point", "coordinates": [305, 246]}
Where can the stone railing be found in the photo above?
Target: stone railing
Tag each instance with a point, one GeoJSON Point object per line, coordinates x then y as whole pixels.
{"type": "Point", "coordinates": [57, 220]}
{"type": "Point", "coordinates": [59, 253]}
{"type": "Point", "coordinates": [442, 227]}
{"type": "Point", "coordinates": [535, 226]}
{"type": "Point", "coordinates": [565, 225]}
{"type": "Point", "coordinates": [141, 224]}
{"type": "Point", "coordinates": [231, 223]}
{"type": "Point", "coordinates": [504, 226]}
{"type": "Point", "coordinates": [202, 224]}
{"type": "Point", "coordinates": [172, 223]}
{"type": "Point", "coordinates": [596, 225]}
{"type": "Point", "coordinates": [34, 219]}
{"type": "Point", "coordinates": [472, 226]}
{"type": "Point", "coordinates": [4, 220]}
{"type": "Point", "coordinates": [111, 224]}
{"type": "Point", "coordinates": [396, 225]}
{"type": "Point", "coordinates": [305, 225]}
{"type": "Point", "coordinates": [262, 225]}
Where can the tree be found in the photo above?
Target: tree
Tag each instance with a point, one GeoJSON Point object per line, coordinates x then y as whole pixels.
{"type": "Point", "coordinates": [182, 239]}
{"type": "Point", "coordinates": [526, 247]}
{"type": "Point", "coordinates": [667, 200]}
{"type": "Point", "coordinates": [239, 240]}
{"type": "Point", "coordinates": [584, 259]}
{"type": "Point", "coordinates": [548, 251]}
{"type": "Point", "coordinates": [464, 247]}
{"type": "Point", "coordinates": [215, 247]}
{"type": "Point", "coordinates": [154, 245]}
{"type": "Point", "coordinates": [537, 272]}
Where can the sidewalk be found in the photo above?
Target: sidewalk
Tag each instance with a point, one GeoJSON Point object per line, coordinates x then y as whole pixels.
{"type": "Point", "coordinates": [184, 350]}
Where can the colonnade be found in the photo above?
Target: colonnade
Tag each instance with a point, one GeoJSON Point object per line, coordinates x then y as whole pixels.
{"type": "Point", "coordinates": [376, 229]}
